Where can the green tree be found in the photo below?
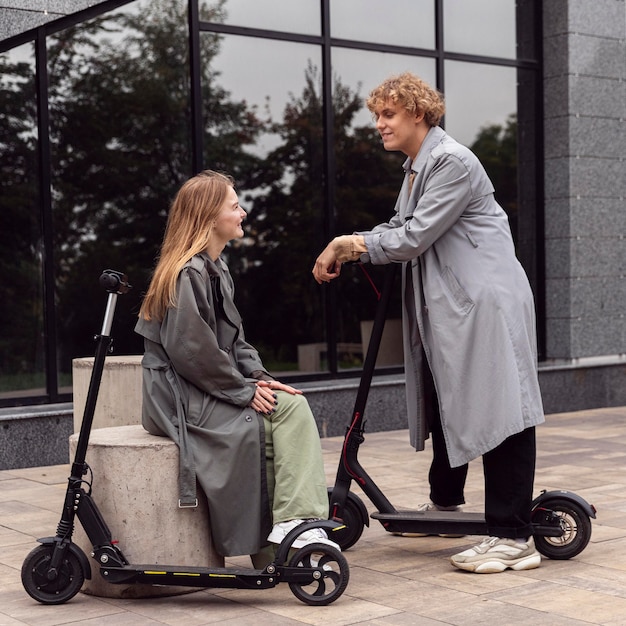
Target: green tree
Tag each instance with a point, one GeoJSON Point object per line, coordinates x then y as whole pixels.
{"type": "Point", "coordinates": [282, 304]}
{"type": "Point", "coordinates": [121, 137]}
{"type": "Point", "coordinates": [21, 316]}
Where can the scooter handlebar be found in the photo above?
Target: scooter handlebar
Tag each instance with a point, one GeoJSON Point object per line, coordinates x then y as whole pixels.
{"type": "Point", "coordinates": [115, 282]}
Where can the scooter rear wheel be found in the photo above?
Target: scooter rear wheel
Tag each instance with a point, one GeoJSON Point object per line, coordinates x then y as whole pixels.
{"type": "Point", "coordinates": [574, 523]}
{"type": "Point", "coordinates": [333, 578]}
{"type": "Point", "coordinates": [40, 586]}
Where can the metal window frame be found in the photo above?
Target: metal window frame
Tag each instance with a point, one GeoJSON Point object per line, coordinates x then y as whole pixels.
{"type": "Point", "coordinates": [38, 37]}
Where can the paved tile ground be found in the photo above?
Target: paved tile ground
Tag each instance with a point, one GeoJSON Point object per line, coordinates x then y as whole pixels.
{"type": "Point", "coordinates": [394, 581]}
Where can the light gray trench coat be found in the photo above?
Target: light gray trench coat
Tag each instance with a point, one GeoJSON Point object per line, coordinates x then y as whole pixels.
{"type": "Point", "coordinates": [466, 302]}
{"type": "Point", "coordinates": [199, 376]}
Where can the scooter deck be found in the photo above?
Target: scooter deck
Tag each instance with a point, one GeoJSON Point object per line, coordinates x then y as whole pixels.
{"type": "Point", "coordinates": [432, 522]}
{"type": "Point", "coordinates": [152, 574]}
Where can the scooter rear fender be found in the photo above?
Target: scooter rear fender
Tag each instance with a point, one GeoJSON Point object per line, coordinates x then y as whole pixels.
{"type": "Point", "coordinates": [545, 496]}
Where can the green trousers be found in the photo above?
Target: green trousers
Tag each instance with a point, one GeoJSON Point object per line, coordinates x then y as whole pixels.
{"type": "Point", "coordinates": [295, 467]}
{"type": "Point", "coordinates": [296, 482]}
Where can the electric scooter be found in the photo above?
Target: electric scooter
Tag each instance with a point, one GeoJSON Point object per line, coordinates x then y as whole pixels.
{"type": "Point", "coordinates": [55, 571]}
{"type": "Point", "coordinates": [560, 519]}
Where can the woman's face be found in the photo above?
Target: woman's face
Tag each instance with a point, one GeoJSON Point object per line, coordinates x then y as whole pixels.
{"type": "Point", "coordinates": [398, 129]}
{"type": "Point", "coordinates": [227, 224]}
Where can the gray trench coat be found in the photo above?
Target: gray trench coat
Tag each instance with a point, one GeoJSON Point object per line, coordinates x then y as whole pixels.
{"type": "Point", "coordinates": [467, 303]}
{"type": "Point", "coordinates": [199, 376]}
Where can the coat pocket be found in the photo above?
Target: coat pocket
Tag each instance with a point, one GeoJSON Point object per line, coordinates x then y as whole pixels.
{"type": "Point", "coordinates": [458, 294]}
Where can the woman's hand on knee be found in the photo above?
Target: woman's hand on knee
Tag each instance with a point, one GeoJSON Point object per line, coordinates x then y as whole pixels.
{"type": "Point", "coordinates": [264, 400]}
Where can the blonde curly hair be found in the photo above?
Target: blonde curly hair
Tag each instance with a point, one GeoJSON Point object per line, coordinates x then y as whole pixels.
{"type": "Point", "coordinates": [412, 93]}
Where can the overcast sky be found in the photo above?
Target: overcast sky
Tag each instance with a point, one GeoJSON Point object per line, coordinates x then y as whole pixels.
{"type": "Point", "coordinates": [476, 95]}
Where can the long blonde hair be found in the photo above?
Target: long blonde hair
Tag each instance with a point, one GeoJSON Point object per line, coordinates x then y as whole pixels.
{"type": "Point", "coordinates": [187, 233]}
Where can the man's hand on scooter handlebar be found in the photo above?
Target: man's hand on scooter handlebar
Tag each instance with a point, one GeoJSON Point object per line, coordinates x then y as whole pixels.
{"type": "Point", "coordinates": [342, 249]}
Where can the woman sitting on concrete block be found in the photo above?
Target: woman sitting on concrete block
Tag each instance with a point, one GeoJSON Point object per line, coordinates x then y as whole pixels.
{"type": "Point", "coordinates": [250, 440]}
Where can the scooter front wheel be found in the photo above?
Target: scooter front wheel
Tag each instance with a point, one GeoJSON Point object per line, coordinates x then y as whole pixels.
{"type": "Point", "coordinates": [333, 574]}
{"type": "Point", "coordinates": [51, 589]}
{"type": "Point", "coordinates": [573, 522]}
{"type": "Point", "coordinates": [352, 518]}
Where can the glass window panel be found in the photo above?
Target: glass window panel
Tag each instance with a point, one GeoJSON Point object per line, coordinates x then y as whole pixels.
{"type": "Point", "coordinates": [22, 353]}
{"type": "Point", "coordinates": [275, 150]}
{"type": "Point", "coordinates": [484, 27]}
{"type": "Point", "coordinates": [481, 113]}
{"type": "Point", "coordinates": [400, 22]}
{"type": "Point", "coordinates": [120, 135]}
{"type": "Point", "coordinates": [367, 182]}
{"type": "Point", "coordinates": [477, 96]}
{"type": "Point", "coordinates": [303, 16]}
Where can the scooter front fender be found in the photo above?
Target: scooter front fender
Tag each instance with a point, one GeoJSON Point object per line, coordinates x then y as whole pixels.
{"type": "Point", "coordinates": [544, 498]}
{"type": "Point", "coordinates": [74, 549]}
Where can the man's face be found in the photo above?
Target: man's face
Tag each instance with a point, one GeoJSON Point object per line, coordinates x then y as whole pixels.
{"type": "Point", "coordinates": [398, 128]}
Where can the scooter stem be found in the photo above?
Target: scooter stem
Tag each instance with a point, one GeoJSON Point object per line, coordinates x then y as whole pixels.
{"type": "Point", "coordinates": [104, 343]}
{"type": "Point", "coordinates": [115, 283]}
{"type": "Point", "coordinates": [349, 467]}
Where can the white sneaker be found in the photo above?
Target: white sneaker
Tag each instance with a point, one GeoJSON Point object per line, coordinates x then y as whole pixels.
{"type": "Point", "coordinates": [495, 554]}
{"type": "Point", "coordinates": [431, 506]}
{"type": "Point", "coordinates": [313, 535]}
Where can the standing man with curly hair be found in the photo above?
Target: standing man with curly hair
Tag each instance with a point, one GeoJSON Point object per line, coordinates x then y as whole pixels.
{"type": "Point", "coordinates": [470, 354]}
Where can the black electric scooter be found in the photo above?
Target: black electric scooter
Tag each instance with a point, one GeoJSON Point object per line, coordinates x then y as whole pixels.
{"type": "Point", "coordinates": [561, 519]}
{"type": "Point", "coordinates": [54, 572]}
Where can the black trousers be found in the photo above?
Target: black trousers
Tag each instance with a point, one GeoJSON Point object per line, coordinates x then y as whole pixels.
{"type": "Point", "coordinates": [509, 471]}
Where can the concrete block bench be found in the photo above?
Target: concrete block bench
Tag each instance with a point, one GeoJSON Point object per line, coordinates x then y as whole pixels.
{"type": "Point", "coordinates": [119, 396]}
{"type": "Point", "coordinates": [135, 485]}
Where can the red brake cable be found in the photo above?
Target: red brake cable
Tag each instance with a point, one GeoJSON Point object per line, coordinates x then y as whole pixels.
{"type": "Point", "coordinates": [371, 282]}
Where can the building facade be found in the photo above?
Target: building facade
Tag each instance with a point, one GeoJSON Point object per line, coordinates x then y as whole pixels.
{"type": "Point", "coordinates": [109, 106]}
